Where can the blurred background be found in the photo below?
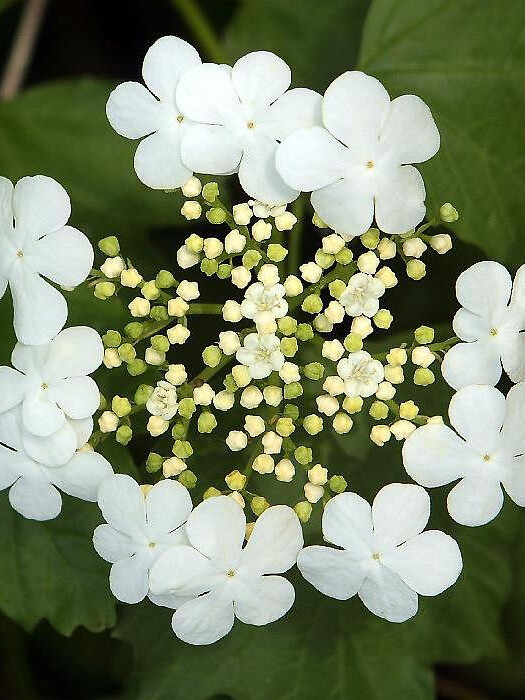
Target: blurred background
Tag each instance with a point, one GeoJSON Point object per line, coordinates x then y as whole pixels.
{"type": "Point", "coordinates": [60, 633]}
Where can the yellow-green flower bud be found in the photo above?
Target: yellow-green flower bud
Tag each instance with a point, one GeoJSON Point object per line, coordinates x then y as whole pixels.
{"type": "Point", "coordinates": [337, 483]}
{"type": "Point", "coordinates": [313, 424]}
{"type": "Point", "coordinates": [353, 404]}
{"type": "Point", "coordinates": [160, 343]}
{"type": "Point", "coordinates": [317, 221]}
{"type": "Point", "coordinates": [287, 325]}
{"type": "Point", "coordinates": [143, 394]}
{"type": "Point", "coordinates": [229, 384]}
{"type": "Point", "coordinates": [154, 462]}
{"type": "Point", "coordinates": [251, 258]}
{"type": "Point", "coordinates": [182, 449]}
{"type": "Point", "coordinates": [209, 267]}
{"type": "Point", "coordinates": [284, 427]}
{"type": "Point", "coordinates": [137, 367]}
{"type": "Point", "coordinates": [164, 279]}
{"type": "Point", "coordinates": [303, 455]}
{"type": "Point", "coordinates": [303, 511]}
{"type": "Point", "coordinates": [188, 479]}
{"type": "Point", "coordinates": [323, 259]}
{"type": "Point", "coordinates": [211, 492]}
{"type": "Point", "coordinates": [312, 304]}
{"type": "Point", "coordinates": [121, 406]}
{"type": "Point", "coordinates": [112, 339]}
{"type": "Point", "coordinates": [259, 504]}
{"type": "Point", "coordinates": [235, 480]}
{"type": "Point", "coordinates": [186, 408]}
{"type": "Point", "coordinates": [211, 356]}
{"type": "Point", "coordinates": [289, 347]}
{"type": "Point", "coordinates": [293, 390]}
{"type": "Point", "coordinates": [314, 371]}
{"type": "Point", "coordinates": [216, 216]}
{"type": "Point", "coordinates": [448, 213]}
{"type": "Point", "coordinates": [127, 352]}
{"type": "Point", "coordinates": [344, 256]}
{"type": "Point", "coordinates": [378, 410]}
{"type": "Point", "coordinates": [210, 192]}
{"type": "Point", "coordinates": [353, 342]}
{"type": "Point", "coordinates": [133, 330]}
{"type": "Point", "coordinates": [291, 411]}
{"type": "Point", "coordinates": [276, 252]}
{"type": "Point", "coordinates": [104, 290]}
{"type": "Point", "coordinates": [224, 271]}
{"type": "Point", "coordinates": [336, 288]}
{"type": "Point", "coordinates": [304, 332]}
{"type": "Point", "coordinates": [178, 432]}
{"type": "Point", "coordinates": [123, 435]}
{"type": "Point", "coordinates": [110, 246]}
{"type": "Point", "coordinates": [416, 269]}
{"type": "Point", "coordinates": [424, 376]}
{"type": "Point", "coordinates": [383, 318]}
{"type": "Point", "coordinates": [408, 410]}
{"type": "Point", "coordinates": [424, 335]}
{"type": "Point", "coordinates": [207, 422]}
{"type": "Point", "coordinates": [194, 243]}
{"type": "Point", "coordinates": [159, 313]}
{"type": "Point", "coordinates": [370, 239]}
{"type": "Point", "coordinates": [342, 423]}
{"type": "Point", "coordinates": [150, 290]}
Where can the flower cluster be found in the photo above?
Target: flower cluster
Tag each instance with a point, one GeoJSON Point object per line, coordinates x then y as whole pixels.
{"type": "Point", "coordinates": [294, 357]}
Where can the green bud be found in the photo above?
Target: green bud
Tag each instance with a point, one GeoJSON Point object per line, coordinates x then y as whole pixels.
{"type": "Point", "coordinates": [259, 504]}
{"type": "Point", "coordinates": [159, 313]}
{"type": "Point", "coordinates": [317, 221]}
{"type": "Point", "coordinates": [188, 479]}
{"type": "Point", "coordinates": [448, 213]}
{"type": "Point", "coordinates": [137, 367]}
{"type": "Point", "coordinates": [336, 288]}
{"type": "Point", "coordinates": [284, 427]}
{"type": "Point", "coordinates": [289, 346]}
{"type": "Point", "coordinates": [291, 411]}
{"type": "Point", "coordinates": [121, 406]}
{"type": "Point", "coordinates": [303, 455]}
{"type": "Point", "coordinates": [210, 192]}
{"type": "Point", "coordinates": [224, 271]}
{"type": "Point", "coordinates": [276, 252]}
{"type": "Point", "coordinates": [150, 290]}
{"type": "Point", "coordinates": [313, 424]}
{"type": "Point", "coordinates": [312, 304]}
{"type": "Point", "coordinates": [160, 343]}
{"type": "Point", "coordinates": [211, 356]}
{"type": "Point", "coordinates": [235, 480]}
{"type": "Point", "coordinates": [353, 404]}
{"type": "Point", "coordinates": [287, 325]}
{"type": "Point", "coordinates": [229, 384]}
{"type": "Point", "coordinates": [304, 332]}
{"type": "Point", "coordinates": [323, 259]}
{"type": "Point", "coordinates": [303, 511]}
{"type": "Point", "coordinates": [164, 279]}
{"type": "Point", "coordinates": [211, 492]}
{"type": "Point", "coordinates": [110, 246]}
{"type": "Point", "coordinates": [251, 258]}
{"type": "Point", "coordinates": [112, 339]}
{"type": "Point", "coordinates": [378, 410]}
{"type": "Point", "coordinates": [337, 483]}
{"type": "Point", "coordinates": [104, 290]}
{"type": "Point", "coordinates": [424, 376]}
{"type": "Point", "coordinates": [383, 318]}
{"type": "Point", "coordinates": [216, 216]}
{"type": "Point", "coordinates": [209, 267]}
{"type": "Point", "coordinates": [207, 422]}
{"type": "Point", "coordinates": [186, 408]}
{"type": "Point", "coordinates": [123, 435]}
{"type": "Point", "coordinates": [178, 432]}
{"type": "Point", "coordinates": [344, 256]}
{"type": "Point", "coordinates": [322, 324]}
{"type": "Point", "coordinates": [370, 239]}
{"type": "Point", "coordinates": [127, 352]}
{"type": "Point", "coordinates": [424, 335]}
{"type": "Point", "coordinates": [314, 370]}
{"type": "Point", "coordinates": [143, 394]}
{"type": "Point", "coordinates": [154, 462]}
{"type": "Point", "coordinates": [182, 449]}
{"type": "Point", "coordinates": [133, 330]}
{"type": "Point", "coordinates": [194, 243]}
{"type": "Point", "coordinates": [293, 390]}
{"type": "Point", "coordinates": [353, 342]}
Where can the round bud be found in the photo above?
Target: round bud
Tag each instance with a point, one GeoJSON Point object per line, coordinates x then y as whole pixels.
{"type": "Point", "coordinates": [416, 269]}
{"type": "Point", "coordinates": [236, 440]}
{"type": "Point", "coordinates": [259, 504]}
{"type": "Point", "coordinates": [424, 335]}
{"type": "Point", "coordinates": [216, 215]}
{"type": "Point", "coordinates": [448, 213]}
{"type": "Point", "coordinates": [191, 210]}
{"type": "Point", "coordinates": [276, 252]}
{"type": "Point", "coordinates": [192, 188]}
{"type": "Point", "coordinates": [441, 243]}
{"type": "Point", "coordinates": [182, 449]}
{"type": "Point", "coordinates": [263, 464]}
{"type": "Point", "coordinates": [108, 422]}
{"type": "Point", "coordinates": [154, 462]}
{"type": "Point", "coordinates": [380, 434]}
{"type": "Point", "coordinates": [157, 426]}
{"type": "Point", "coordinates": [342, 423]}
{"type": "Point", "coordinates": [313, 493]}
{"type": "Point", "coordinates": [378, 410]}
{"type": "Point", "coordinates": [207, 422]}
{"type": "Point", "coordinates": [424, 376]}
{"type": "Point", "coordinates": [235, 480]}
{"type": "Point", "coordinates": [210, 192]}
{"type": "Point", "coordinates": [242, 214]}
{"type": "Point", "coordinates": [303, 455]}
{"type": "Point", "coordinates": [123, 435]}
{"type": "Point", "coordinates": [121, 406]}
{"type": "Point", "coordinates": [188, 479]}
{"type": "Point", "coordinates": [254, 425]}
{"type": "Point", "coordinates": [284, 470]}
{"type": "Point", "coordinates": [303, 511]}
{"type": "Point", "coordinates": [337, 483]}
{"type": "Point", "coordinates": [293, 286]}
{"type": "Point", "coordinates": [109, 246]}
{"type": "Point", "coordinates": [370, 239]}
{"type": "Point", "coordinates": [173, 466]}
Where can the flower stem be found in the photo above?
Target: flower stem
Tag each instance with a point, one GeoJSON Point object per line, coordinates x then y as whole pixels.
{"type": "Point", "coordinates": [201, 28]}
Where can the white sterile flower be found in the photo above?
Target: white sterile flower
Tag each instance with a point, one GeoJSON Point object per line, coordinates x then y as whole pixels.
{"type": "Point", "coordinates": [488, 452]}
{"type": "Point", "coordinates": [139, 529]}
{"type": "Point", "coordinates": [134, 112]}
{"type": "Point", "coordinates": [261, 354]}
{"type": "Point", "coordinates": [225, 580]}
{"type": "Point", "coordinates": [360, 373]}
{"type": "Point", "coordinates": [51, 390]}
{"type": "Point", "coordinates": [35, 242]}
{"type": "Point", "coordinates": [356, 164]}
{"type": "Point", "coordinates": [489, 325]}
{"type": "Point", "coordinates": [33, 487]}
{"type": "Point", "coordinates": [361, 296]}
{"type": "Point", "coordinates": [243, 113]}
{"type": "Point", "coordinates": [385, 557]}
{"type": "Point", "coordinates": [264, 304]}
{"type": "Point", "coordinates": [163, 402]}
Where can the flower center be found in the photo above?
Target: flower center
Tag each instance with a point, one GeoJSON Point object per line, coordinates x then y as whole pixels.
{"type": "Point", "coordinates": [45, 385]}
{"type": "Point", "coordinates": [486, 458]}
{"type": "Point", "coordinates": [250, 124]}
{"type": "Point", "coordinates": [180, 118]}
{"type": "Point", "coordinates": [230, 573]}
{"type": "Point", "coordinates": [152, 545]}
{"type": "Point", "coordinates": [376, 556]}
{"type": "Point", "coordinates": [19, 253]}
{"type": "Point", "coordinates": [493, 332]}
{"type": "Point", "coordinates": [370, 164]}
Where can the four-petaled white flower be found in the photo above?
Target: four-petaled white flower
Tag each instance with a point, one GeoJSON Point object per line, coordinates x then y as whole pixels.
{"type": "Point", "coordinates": [163, 402]}
{"type": "Point", "coordinates": [35, 242]}
{"type": "Point", "coordinates": [136, 112]}
{"type": "Point", "coordinates": [357, 163]}
{"type": "Point", "coordinates": [33, 487]}
{"type": "Point", "coordinates": [225, 580]}
{"type": "Point", "coordinates": [244, 112]}
{"type": "Point", "coordinates": [264, 304]}
{"type": "Point", "coordinates": [385, 556]}
{"type": "Point", "coordinates": [489, 325]}
{"type": "Point", "coordinates": [261, 354]}
{"type": "Point", "coordinates": [51, 390]}
{"type": "Point", "coordinates": [139, 529]}
{"type": "Point", "coordinates": [361, 296]}
{"type": "Point", "coordinates": [488, 452]}
{"type": "Point", "coordinates": [360, 373]}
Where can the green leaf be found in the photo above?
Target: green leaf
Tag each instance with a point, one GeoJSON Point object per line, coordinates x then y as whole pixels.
{"type": "Point", "coordinates": [51, 571]}
{"type": "Point", "coordinates": [466, 59]}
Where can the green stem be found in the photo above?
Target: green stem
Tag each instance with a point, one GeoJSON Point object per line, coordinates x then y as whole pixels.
{"type": "Point", "coordinates": [205, 310]}
{"type": "Point", "coordinates": [201, 29]}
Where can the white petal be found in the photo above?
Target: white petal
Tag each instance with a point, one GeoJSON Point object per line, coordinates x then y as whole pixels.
{"type": "Point", "coordinates": [11, 466]}
{"type": "Point", "coordinates": [477, 413]}
{"type": "Point", "coordinates": [6, 204]}
{"type": "Point", "coordinates": [54, 450]}
{"type": "Point", "coordinates": [12, 388]}
{"type": "Point", "coordinates": [410, 134]}
{"type": "Point", "coordinates": [387, 596]}
{"type": "Point", "coordinates": [11, 428]}
{"type": "Point", "coordinates": [64, 256]}
{"type": "Point", "coordinates": [206, 94]}
{"type": "Point", "coordinates": [513, 432]}
{"type": "Point", "coordinates": [468, 326]}
{"type": "Point", "coordinates": [260, 77]}
{"type": "Point", "coordinates": [168, 600]}
{"type": "Point", "coordinates": [258, 175]}
{"type": "Point", "coordinates": [182, 571]}
{"type": "Point", "coordinates": [78, 397]}
{"type": "Point", "coordinates": [332, 571]}
{"type": "Point", "coordinates": [476, 500]}
{"type": "Point", "coordinates": [347, 522]}
{"type": "Point", "coordinates": [133, 111]}
{"type": "Point", "coordinates": [112, 545]}
{"type": "Point", "coordinates": [128, 578]}
{"type": "Point", "coordinates": [513, 356]}
{"type": "Point", "coordinates": [213, 149]}
{"type": "Point", "coordinates": [158, 163]}
{"type": "Point", "coordinates": [347, 206]}
{"type": "Point", "coordinates": [485, 289]}
{"type": "Point", "coordinates": [399, 199]}
{"type": "Point", "coordinates": [355, 107]}
{"type": "Point", "coordinates": [216, 527]}
{"type": "Point", "coordinates": [310, 159]}
{"type": "Point", "coordinates": [123, 505]}
{"type": "Point", "coordinates": [165, 62]}
{"type": "Point", "coordinates": [73, 353]}
{"type": "Point", "coordinates": [29, 359]}
{"type": "Point", "coordinates": [428, 563]}
{"type": "Point", "coordinates": [399, 512]}
{"type": "Point", "coordinates": [514, 481]}
{"type": "Point", "coordinates": [296, 109]}
{"type": "Point", "coordinates": [274, 543]}
{"type": "Point", "coordinates": [516, 310]}
{"type": "Point", "coordinates": [83, 430]}
{"type": "Point", "coordinates": [41, 416]}
{"type": "Point", "coordinates": [262, 600]}
{"type": "Point", "coordinates": [40, 310]}
{"type": "Point", "coordinates": [168, 505]}
{"type": "Point", "coordinates": [41, 205]}
{"type": "Point", "coordinates": [82, 475]}
{"type": "Point", "coordinates": [204, 620]}
{"type": "Point", "coordinates": [433, 455]}
{"type": "Point", "coordinates": [35, 499]}
{"type": "Point", "coordinates": [472, 363]}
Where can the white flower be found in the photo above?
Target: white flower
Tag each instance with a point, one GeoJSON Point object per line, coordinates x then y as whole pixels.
{"type": "Point", "coordinates": [51, 390]}
{"type": "Point", "coordinates": [139, 529]}
{"type": "Point", "coordinates": [261, 354]}
{"type": "Point", "coordinates": [385, 556]}
{"type": "Point", "coordinates": [264, 304]}
{"type": "Point", "coordinates": [361, 296]}
{"type": "Point", "coordinates": [225, 580]}
{"type": "Point", "coordinates": [163, 402]}
{"type": "Point", "coordinates": [243, 113]}
{"type": "Point", "coordinates": [360, 373]}
{"type": "Point", "coordinates": [488, 452]}
{"type": "Point", "coordinates": [357, 163]}
{"type": "Point", "coordinates": [490, 326]}
{"type": "Point", "coordinates": [33, 487]}
{"type": "Point", "coordinates": [35, 242]}
{"type": "Point", "coordinates": [136, 112]}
